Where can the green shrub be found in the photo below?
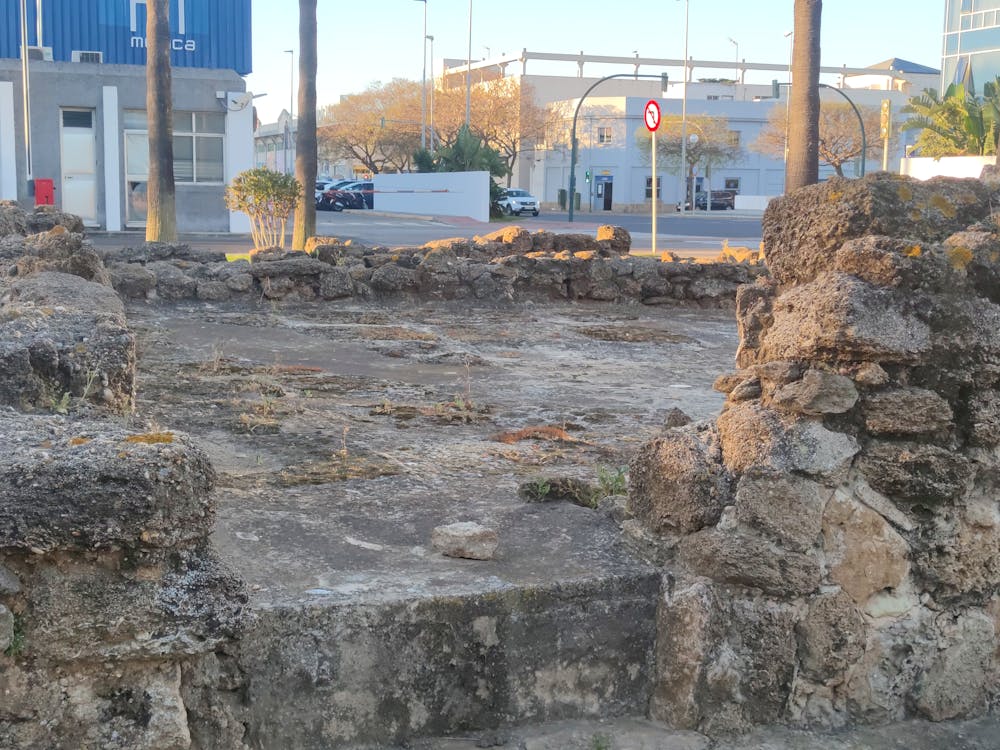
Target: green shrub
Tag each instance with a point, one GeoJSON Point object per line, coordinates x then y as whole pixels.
{"type": "Point", "coordinates": [268, 198]}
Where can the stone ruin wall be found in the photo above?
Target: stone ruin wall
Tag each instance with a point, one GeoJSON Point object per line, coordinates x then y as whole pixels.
{"type": "Point", "coordinates": [831, 543]}
{"type": "Point", "coordinates": [119, 628]}
{"type": "Point", "coordinates": [510, 264]}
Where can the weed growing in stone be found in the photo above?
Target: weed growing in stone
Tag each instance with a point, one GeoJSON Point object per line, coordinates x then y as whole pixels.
{"type": "Point", "coordinates": [612, 481]}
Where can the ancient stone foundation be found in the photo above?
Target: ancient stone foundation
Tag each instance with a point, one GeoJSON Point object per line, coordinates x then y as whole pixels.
{"type": "Point", "coordinates": [832, 540]}
{"type": "Point", "coordinates": [827, 551]}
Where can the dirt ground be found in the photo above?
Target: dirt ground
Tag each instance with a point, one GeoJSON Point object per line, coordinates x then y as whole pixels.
{"type": "Point", "coordinates": [419, 413]}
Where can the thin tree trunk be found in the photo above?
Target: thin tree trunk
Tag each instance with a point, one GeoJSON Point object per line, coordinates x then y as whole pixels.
{"type": "Point", "coordinates": [305, 137]}
{"type": "Point", "coordinates": [803, 127]}
{"type": "Point", "coordinates": [161, 217]}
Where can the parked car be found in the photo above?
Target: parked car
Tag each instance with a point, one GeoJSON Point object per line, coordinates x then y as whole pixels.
{"type": "Point", "coordinates": [356, 194]}
{"type": "Point", "coordinates": [515, 201]}
{"type": "Point", "coordinates": [721, 200]}
{"type": "Point", "coordinates": [322, 188]}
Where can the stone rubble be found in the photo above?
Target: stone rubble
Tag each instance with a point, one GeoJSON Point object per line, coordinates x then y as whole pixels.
{"type": "Point", "coordinates": [831, 543]}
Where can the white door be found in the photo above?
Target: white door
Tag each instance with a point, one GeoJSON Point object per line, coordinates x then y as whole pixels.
{"type": "Point", "coordinates": [79, 164]}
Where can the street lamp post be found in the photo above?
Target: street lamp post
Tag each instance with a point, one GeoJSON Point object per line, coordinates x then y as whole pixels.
{"type": "Point", "coordinates": [430, 38]}
{"type": "Point", "coordinates": [423, 87]}
{"type": "Point", "coordinates": [291, 107]}
{"type": "Point", "coordinates": [468, 73]}
{"type": "Point", "coordinates": [737, 45]}
{"type": "Point", "coordinates": [684, 104]}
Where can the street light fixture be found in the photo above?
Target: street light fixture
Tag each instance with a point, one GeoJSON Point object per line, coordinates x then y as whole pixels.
{"type": "Point", "coordinates": [737, 45]}
{"type": "Point", "coordinates": [423, 87]}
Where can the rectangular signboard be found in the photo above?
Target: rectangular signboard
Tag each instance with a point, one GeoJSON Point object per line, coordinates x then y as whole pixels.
{"type": "Point", "coordinates": [204, 33]}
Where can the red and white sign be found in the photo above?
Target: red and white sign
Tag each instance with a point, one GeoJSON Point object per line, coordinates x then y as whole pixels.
{"type": "Point", "coordinates": [652, 116]}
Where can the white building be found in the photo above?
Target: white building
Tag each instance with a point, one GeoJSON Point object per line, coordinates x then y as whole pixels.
{"type": "Point", "coordinates": [610, 116]}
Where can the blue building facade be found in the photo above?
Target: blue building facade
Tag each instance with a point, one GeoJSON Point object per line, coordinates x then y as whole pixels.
{"type": "Point", "coordinates": [80, 123]}
{"type": "Point", "coordinates": [213, 34]}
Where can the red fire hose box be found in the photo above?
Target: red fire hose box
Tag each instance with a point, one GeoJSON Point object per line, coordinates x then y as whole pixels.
{"type": "Point", "coordinates": [45, 192]}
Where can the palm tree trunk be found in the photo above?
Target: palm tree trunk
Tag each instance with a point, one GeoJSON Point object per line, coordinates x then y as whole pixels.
{"type": "Point", "coordinates": [161, 217]}
{"type": "Point", "coordinates": [305, 135]}
{"type": "Point", "coordinates": [802, 167]}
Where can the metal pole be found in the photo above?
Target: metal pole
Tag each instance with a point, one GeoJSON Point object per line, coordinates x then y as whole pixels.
{"type": "Point", "coordinates": [653, 139]}
{"type": "Point", "coordinates": [468, 73]}
{"type": "Point", "coordinates": [26, 90]}
{"type": "Point", "coordinates": [572, 140]}
{"type": "Point", "coordinates": [737, 79]}
{"type": "Point", "coordinates": [433, 85]}
{"type": "Point", "coordinates": [684, 105]}
{"type": "Point", "coordinates": [861, 122]}
{"type": "Point", "coordinates": [423, 87]}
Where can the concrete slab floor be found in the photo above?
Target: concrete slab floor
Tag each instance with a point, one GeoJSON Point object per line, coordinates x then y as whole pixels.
{"type": "Point", "coordinates": [639, 734]}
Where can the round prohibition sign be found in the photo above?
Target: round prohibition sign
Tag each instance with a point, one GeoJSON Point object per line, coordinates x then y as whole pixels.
{"type": "Point", "coordinates": [652, 116]}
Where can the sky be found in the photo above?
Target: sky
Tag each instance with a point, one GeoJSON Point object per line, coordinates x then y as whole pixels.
{"type": "Point", "coordinates": [365, 41]}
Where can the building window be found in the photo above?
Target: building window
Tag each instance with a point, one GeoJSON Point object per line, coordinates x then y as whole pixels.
{"type": "Point", "coordinates": [199, 147]}
{"type": "Point", "coordinates": [732, 183]}
{"type": "Point", "coordinates": [734, 138]}
{"type": "Point", "coordinates": [604, 135]}
{"type": "Point", "coordinates": [649, 188]}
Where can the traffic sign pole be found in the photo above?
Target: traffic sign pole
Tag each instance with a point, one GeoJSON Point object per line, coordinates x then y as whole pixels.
{"type": "Point", "coordinates": [653, 141]}
{"type": "Point", "coordinates": [651, 116]}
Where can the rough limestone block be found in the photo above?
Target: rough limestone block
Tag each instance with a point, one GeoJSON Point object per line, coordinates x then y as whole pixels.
{"type": "Point", "coordinates": [817, 393]}
{"type": "Point", "coordinates": [677, 483]}
{"type": "Point", "coordinates": [803, 229]}
{"type": "Point", "coordinates": [132, 607]}
{"type": "Point", "coordinates": [135, 707]}
{"type": "Point", "coordinates": [784, 507]}
{"type": "Point", "coordinates": [753, 435]}
{"type": "Point", "coordinates": [748, 559]}
{"type": "Point", "coordinates": [906, 411]}
{"type": "Point", "coordinates": [959, 554]}
{"type": "Point", "coordinates": [465, 539]}
{"type": "Point", "coordinates": [915, 472]}
{"type": "Point", "coordinates": [82, 485]}
{"type": "Point", "coordinates": [724, 664]}
{"type": "Point", "coordinates": [955, 684]}
{"type": "Point", "coordinates": [618, 239]}
{"type": "Point", "coordinates": [831, 636]}
{"type": "Point", "coordinates": [895, 263]}
{"type": "Point", "coordinates": [839, 318]}
{"type": "Point", "coordinates": [864, 554]}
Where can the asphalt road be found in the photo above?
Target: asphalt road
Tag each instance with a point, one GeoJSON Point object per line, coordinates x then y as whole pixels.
{"type": "Point", "coordinates": [692, 234]}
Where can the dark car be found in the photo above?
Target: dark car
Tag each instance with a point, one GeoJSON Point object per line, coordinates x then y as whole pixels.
{"type": "Point", "coordinates": [721, 200]}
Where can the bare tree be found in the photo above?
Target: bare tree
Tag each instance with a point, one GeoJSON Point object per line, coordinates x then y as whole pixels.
{"type": "Point", "coordinates": [161, 216]}
{"type": "Point", "coordinates": [803, 126]}
{"type": "Point", "coordinates": [305, 137]}
{"type": "Point", "coordinates": [839, 134]}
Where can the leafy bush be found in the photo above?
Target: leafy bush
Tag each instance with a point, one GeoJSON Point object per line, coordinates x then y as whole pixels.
{"type": "Point", "coordinates": [268, 198]}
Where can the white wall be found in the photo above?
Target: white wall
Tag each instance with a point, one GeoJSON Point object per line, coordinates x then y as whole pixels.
{"type": "Point", "coordinates": [435, 194]}
{"type": "Point", "coordinates": [113, 188]}
{"type": "Point", "coordinates": [924, 168]}
{"type": "Point", "coordinates": [239, 153]}
{"type": "Point", "coordinates": [8, 147]}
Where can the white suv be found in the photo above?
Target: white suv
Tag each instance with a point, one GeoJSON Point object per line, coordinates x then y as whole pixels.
{"type": "Point", "coordinates": [515, 201]}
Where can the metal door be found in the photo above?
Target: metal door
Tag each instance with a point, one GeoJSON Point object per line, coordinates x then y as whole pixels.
{"type": "Point", "coordinates": [79, 163]}
{"type": "Point", "coordinates": [608, 187]}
